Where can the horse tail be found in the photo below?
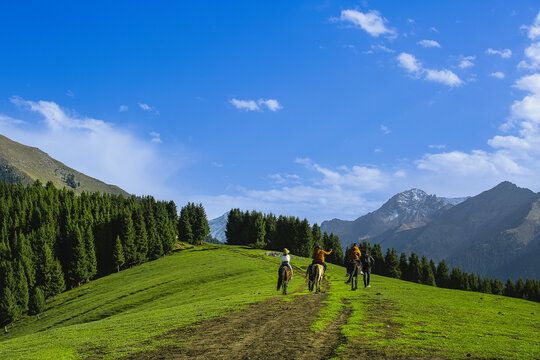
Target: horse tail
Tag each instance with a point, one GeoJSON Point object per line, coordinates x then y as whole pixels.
{"type": "Point", "coordinates": [280, 278]}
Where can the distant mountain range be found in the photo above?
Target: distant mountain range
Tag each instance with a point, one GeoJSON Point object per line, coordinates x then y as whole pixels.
{"type": "Point", "coordinates": [218, 226]}
{"type": "Point", "coordinates": [25, 164]}
{"type": "Point", "coordinates": [496, 233]}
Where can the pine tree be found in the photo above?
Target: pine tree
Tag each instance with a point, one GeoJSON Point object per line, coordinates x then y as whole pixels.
{"type": "Point", "coordinates": [270, 229]}
{"type": "Point", "coordinates": [8, 307]}
{"type": "Point", "coordinates": [379, 260]}
{"type": "Point", "coordinates": [77, 270]}
{"type": "Point", "coordinates": [305, 236]}
{"type": "Point", "coordinates": [316, 235]}
{"type": "Point", "coordinates": [260, 231]}
{"type": "Point", "coordinates": [428, 278]}
{"type": "Point", "coordinates": [91, 260]}
{"type": "Point", "coordinates": [442, 278]}
{"type": "Point", "coordinates": [336, 257]}
{"type": "Point", "coordinates": [127, 236]}
{"type": "Point", "coordinates": [185, 233]}
{"type": "Point", "coordinates": [233, 228]}
{"type": "Point", "coordinates": [391, 264]}
{"type": "Point", "coordinates": [200, 228]}
{"type": "Point", "coordinates": [141, 236]}
{"type": "Point", "coordinates": [21, 287]}
{"type": "Point", "coordinates": [118, 254]}
{"type": "Point", "coordinates": [415, 268]}
{"type": "Point", "coordinates": [403, 266]}
{"type": "Point", "coordinates": [37, 301]}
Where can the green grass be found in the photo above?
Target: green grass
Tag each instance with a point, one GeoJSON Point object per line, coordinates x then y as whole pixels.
{"type": "Point", "coordinates": [116, 314]}
{"type": "Point", "coordinates": [125, 312]}
{"type": "Point", "coordinates": [409, 318]}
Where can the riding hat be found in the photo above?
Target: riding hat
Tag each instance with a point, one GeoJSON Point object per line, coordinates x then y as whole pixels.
{"type": "Point", "coordinates": [286, 251]}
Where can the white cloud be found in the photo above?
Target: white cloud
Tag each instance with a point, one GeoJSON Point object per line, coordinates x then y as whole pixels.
{"type": "Point", "coordinates": [497, 74]}
{"type": "Point", "coordinates": [123, 108]}
{"type": "Point", "coordinates": [378, 150]}
{"type": "Point", "coordinates": [156, 137]}
{"type": "Point", "coordinates": [504, 53]}
{"type": "Point", "coordinates": [372, 22]}
{"type": "Point", "coordinates": [9, 120]}
{"type": "Point", "coordinates": [466, 62]}
{"type": "Point", "coordinates": [95, 147]}
{"type": "Point", "coordinates": [414, 67]}
{"type": "Point", "coordinates": [246, 105]}
{"type": "Point", "coordinates": [445, 77]}
{"type": "Point", "coordinates": [383, 48]}
{"type": "Point", "coordinates": [400, 174]}
{"type": "Point", "coordinates": [271, 104]}
{"type": "Point", "coordinates": [533, 55]}
{"type": "Point", "coordinates": [409, 63]}
{"type": "Point", "coordinates": [534, 29]}
{"type": "Point", "coordinates": [252, 105]}
{"type": "Point", "coordinates": [434, 29]}
{"type": "Point", "coordinates": [429, 43]}
{"type": "Point", "coordinates": [437, 146]}
{"type": "Point", "coordinates": [146, 107]}
{"type": "Point", "coordinates": [385, 129]}
{"type": "Point", "coordinates": [70, 94]}
{"type": "Point", "coordinates": [410, 21]}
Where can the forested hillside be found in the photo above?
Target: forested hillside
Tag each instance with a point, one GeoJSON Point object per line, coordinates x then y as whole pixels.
{"type": "Point", "coordinates": [52, 240]}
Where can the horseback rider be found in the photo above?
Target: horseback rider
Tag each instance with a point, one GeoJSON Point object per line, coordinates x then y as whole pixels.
{"type": "Point", "coordinates": [318, 258]}
{"type": "Point", "coordinates": [285, 260]}
{"type": "Point", "coordinates": [353, 256]}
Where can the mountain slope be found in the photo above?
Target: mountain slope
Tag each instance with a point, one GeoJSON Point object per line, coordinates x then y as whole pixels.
{"type": "Point", "coordinates": [486, 234]}
{"type": "Point", "coordinates": [25, 164]}
{"type": "Point", "coordinates": [407, 210]}
{"type": "Point", "coordinates": [218, 227]}
{"type": "Point", "coordinates": [151, 310]}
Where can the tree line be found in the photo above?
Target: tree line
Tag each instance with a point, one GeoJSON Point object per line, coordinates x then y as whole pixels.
{"type": "Point", "coordinates": [52, 240]}
{"type": "Point", "coordinates": [420, 270]}
{"type": "Point", "coordinates": [266, 231]}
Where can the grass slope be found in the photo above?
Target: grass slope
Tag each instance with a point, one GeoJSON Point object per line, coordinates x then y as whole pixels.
{"type": "Point", "coordinates": [25, 164]}
{"type": "Point", "coordinates": [126, 312]}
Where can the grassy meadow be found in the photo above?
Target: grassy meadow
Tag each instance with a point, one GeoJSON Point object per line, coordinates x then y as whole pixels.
{"type": "Point", "coordinates": [119, 314]}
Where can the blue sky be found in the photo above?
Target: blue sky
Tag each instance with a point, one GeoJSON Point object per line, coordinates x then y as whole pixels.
{"type": "Point", "coordinates": [314, 109]}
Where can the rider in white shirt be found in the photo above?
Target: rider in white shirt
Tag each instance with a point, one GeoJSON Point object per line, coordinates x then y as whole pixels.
{"type": "Point", "coordinates": [285, 260]}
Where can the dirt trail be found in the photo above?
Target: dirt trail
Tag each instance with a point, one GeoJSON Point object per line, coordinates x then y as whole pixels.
{"type": "Point", "coordinates": [271, 329]}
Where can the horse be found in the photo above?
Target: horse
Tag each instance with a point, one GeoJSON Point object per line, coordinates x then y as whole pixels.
{"type": "Point", "coordinates": [355, 269]}
{"type": "Point", "coordinates": [283, 278]}
{"type": "Point", "coordinates": [315, 277]}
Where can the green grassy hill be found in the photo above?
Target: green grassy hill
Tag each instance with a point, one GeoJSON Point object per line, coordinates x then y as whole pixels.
{"type": "Point", "coordinates": [135, 312]}
{"type": "Point", "coordinates": [25, 164]}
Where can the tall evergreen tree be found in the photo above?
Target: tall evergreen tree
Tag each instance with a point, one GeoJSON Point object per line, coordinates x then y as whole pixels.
{"type": "Point", "coordinates": [428, 278]}
{"type": "Point", "coordinates": [441, 277]}
{"type": "Point", "coordinates": [185, 233]}
{"type": "Point", "coordinates": [77, 270]}
{"type": "Point", "coordinates": [403, 266]}
{"type": "Point", "coordinates": [36, 304]}
{"type": "Point", "coordinates": [260, 231]}
{"type": "Point", "coordinates": [118, 254]}
{"type": "Point", "coordinates": [305, 237]}
{"type": "Point", "coordinates": [127, 237]}
{"type": "Point", "coordinates": [391, 264]}
{"type": "Point", "coordinates": [415, 268]}
{"type": "Point", "coordinates": [317, 237]}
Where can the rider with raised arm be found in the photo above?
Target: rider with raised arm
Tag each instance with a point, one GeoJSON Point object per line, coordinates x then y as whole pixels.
{"type": "Point", "coordinates": [318, 258]}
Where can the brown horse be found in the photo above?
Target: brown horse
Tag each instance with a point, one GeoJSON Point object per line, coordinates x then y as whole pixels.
{"type": "Point", "coordinates": [283, 279]}
{"type": "Point", "coordinates": [315, 277]}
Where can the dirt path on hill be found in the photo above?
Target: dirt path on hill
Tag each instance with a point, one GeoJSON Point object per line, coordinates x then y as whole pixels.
{"type": "Point", "coordinates": [271, 329]}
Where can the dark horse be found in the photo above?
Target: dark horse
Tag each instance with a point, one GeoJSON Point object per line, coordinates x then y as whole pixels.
{"type": "Point", "coordinates": [315, 277]}
{"type": "Point", "coordinates": [354, 270]}
{"type": "Point", "coordinates": [283, 279]}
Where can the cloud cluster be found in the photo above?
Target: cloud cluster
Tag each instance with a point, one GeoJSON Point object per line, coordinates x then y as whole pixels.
{"type": "Point", "coordinates": [259, 105]}
{"type": "Point", "coordinates": [533, 51]}
{"type": "Point", "coordinates": [372, 22]}
{"type": "Point", "coordinates": [415, 68]}
{"type": "Point", "coordinates": [429, 43]}
{"type": "Point", "coordinates": [505, 53]}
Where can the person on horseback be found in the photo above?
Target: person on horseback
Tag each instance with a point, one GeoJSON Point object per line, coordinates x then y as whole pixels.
{"type": "Point", "coordinates": [285, 260]}
{"type": "Point", "coordinates": [318, 258]}
{"type": "Point", "coordinates": [353, 256]}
